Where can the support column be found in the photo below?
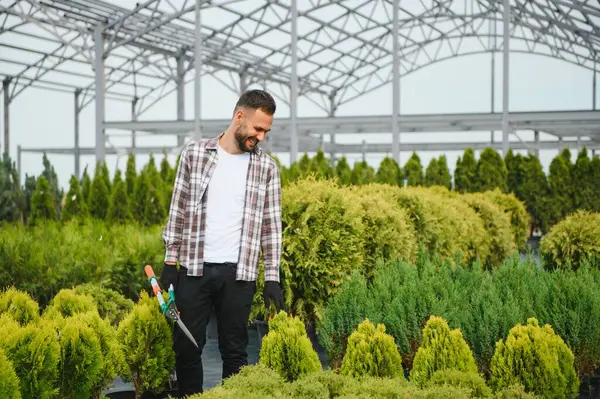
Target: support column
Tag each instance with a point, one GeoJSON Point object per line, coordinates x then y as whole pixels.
{"type": "Point", "coordinates": [332, 109]}
{"type": "Point", "coordinates": [294, 85]}
{"type": "Point", "coordinates": [5, 86]}
{"type": "Point", "coordinates": [396, 85]}
{"type": "Point", "coordinates": [505, 78]}
{"type": "Point", "coordinates": [198, 70]}
{"type": "Point", "coordinates": [99, 88]}
{"type": "Point", "coordinates": [180, 95]}
{"type": "Point", "coordinates": [77, 151]}
{"type": "Point", "coordinates": [133, 118]}
{"type": "Point", "coordinates": [594, 88]}
{"type": "Point", "coordinates": [536, 137]}
{"type": "Point", "coordinates": [493, 77]}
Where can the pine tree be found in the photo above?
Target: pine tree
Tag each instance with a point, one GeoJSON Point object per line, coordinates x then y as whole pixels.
{"type": "Point", "coordinates": [130, 174]}
{"type": "Point", "coordinates": [445, 178]}
{"type": "Point", "coordinates": [491, 172]}
{"type": "Point", "coordinates": [432, 173]}
{"type": "Point", "coordinates": [106, 176]}
{"type": "Point", "coordinates": [166, 171]}
{"type": "Point", "coordinates": [86, 186]}
{"type": "Point", "coordinates": [42, 202]}
{"type": "Point", "coordinates": [320, 166]}
{"type": "Point", "coordinates": [99, 195]}
{"type": "Point", "coordinates": [75, 205]}
{"type": "Point", "coordinates": [362, 173]}
{"type": "Point", "coordinates": [137, 203]}
{"type": "Point", "coordinates": [154, 208]}
{"type": "Point", "coordinates": [52, 179]}
{"type": "Point", "coordinates": [389, 172]}
{"type": "Point", "coordinates": [30, 184]}
{"type": "Point", "coordinates": [119, 210]}
{"type": "Point", "coordinates": [464, 174]}
{"type": "Point", "coordinates": [304, 165]}
{"type": "Point", "coordinates": [413, 171]}
{"type": "Point", "coordinates": [584, 191]}
{"type": "Point", "coordinates": [343, 172]}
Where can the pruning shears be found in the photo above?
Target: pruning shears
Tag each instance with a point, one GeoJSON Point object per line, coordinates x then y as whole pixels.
{"type": "Point", "coordinates": [169, 308]}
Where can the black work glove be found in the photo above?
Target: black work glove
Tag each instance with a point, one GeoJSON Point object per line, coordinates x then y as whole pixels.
{"type": "Point", "coordinates": [169, 276]}
{"type": "Point", "coordinates": [273, 291]}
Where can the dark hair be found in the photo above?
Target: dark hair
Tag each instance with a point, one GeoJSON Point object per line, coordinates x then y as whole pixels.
{"type": "Point", "coordinates": [257, 99]}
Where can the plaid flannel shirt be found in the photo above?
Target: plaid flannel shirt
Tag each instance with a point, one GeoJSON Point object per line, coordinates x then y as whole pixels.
{"type": "Point", "coordinates": [261, 227]}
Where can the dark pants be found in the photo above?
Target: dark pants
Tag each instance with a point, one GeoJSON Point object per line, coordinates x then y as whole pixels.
{"type": "Point", "coordinates": [232, 300]}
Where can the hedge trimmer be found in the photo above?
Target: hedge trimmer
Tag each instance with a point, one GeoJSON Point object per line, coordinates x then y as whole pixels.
{"type": "Point", "coordinates": [169, 308]}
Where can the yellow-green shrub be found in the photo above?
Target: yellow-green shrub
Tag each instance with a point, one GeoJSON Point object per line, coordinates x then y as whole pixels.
{"type": "Point", "coordinates": [572, 241]}
{"type": "Point", "coordinates": [461, 379]}
{"type": "Point", "coordinates": [68, 303]}
{"type": "Point", "coordinates": [538, 359]}
{"type": "Point", "coordinates": [9, 382]}
{"type": "Point", "coordinates": [441, 349]}
{"type": "Point", "coordinates": [497, 225]}
{"type": "Point", "coordinates": [146, 341]}
{"type": "Point", "coordinates": [287, 349]}
{"type": "Point", "coordinates": [252, 381]}
{"type": "Point", "coordinates": [19, 305]}
{"type": "Point", "coordinates": [110, 304]}
{"type": "Point", "coordinates": [388, 232]}
{"type": "Point", "coordinates": [34, 351]}
{"type": "Point", "coordinates": [371, 352]}
{"type": "Point", "coordinates": [519, 218]}
{"type": "Point", "coordinates": [322, 242]}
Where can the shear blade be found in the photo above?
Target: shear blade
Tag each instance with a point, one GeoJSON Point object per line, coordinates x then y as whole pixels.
{"type": "Point", "coordinates": [186, 331]}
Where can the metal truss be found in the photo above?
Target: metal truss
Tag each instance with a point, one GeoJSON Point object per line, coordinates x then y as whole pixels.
{"type": "Point", "coordinates": [343, 49]}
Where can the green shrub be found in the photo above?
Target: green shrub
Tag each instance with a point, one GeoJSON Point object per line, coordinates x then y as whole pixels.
{"type": "Point", "coordinates": [441, 349]}
{"type": "Point", "coordinates": [538, 359]}
{"type": "Point", "coordinates": [80, 362]}
{"type": "Point", "coordinates": [68, 303]}
{"type": "Point", "coordinates": [572, 241]}
{"type": "Point", "coordinates": [388, 234]}
{"type": "Point", "coordinates": [252, 381]}
{"type": "Point", "coordinates": [456, 378]}
{"type": "Point", "coordinates": [497, 225]}
{"type": "Point", "coordinates": [344, 312]}
{"type": "Point", "coordinates": [331, 384]}
{"type": "Point", "coordinates": [34, 352]}
{"type": "Point", "coordinates": [519, 218]}
{"type": "Point", "coordinates": [110, 304]}
{"type": "Point", "coordinates": [371, 352]}
{"type": "Point", "coordinates": [19, 305]}
{"type": "Point", "coordinates": [515, 391]}
{"type": "Point", "coordinates": [146, 341]}
{"type": "Point", "coordinates": [287, 349]}
{"type": "Point", "coordinates": [9, 382]}
{"type": "Point", "coordinates": [322, 242]}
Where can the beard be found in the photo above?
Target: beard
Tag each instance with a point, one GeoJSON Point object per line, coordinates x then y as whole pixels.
{"type": "Point", "coordinates": [245, 143]}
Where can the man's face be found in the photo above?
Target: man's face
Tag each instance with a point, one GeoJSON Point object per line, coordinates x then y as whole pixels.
{"type": "Point", "coordinates": [253, 126]}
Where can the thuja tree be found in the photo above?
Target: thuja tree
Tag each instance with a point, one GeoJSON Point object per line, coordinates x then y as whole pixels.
{"type": "Point", "coordinates": [86, 185]}
{"type": "Point", "coordinates": [389, 172]}
{"type": "Point", "coordinates": [130, 174]}
{"type": "Point", "coordinates": [464, 173]}
{"type": "Point", "coordinates": [42, 202]}
{"type": "Point", "coordinates": [413, 171]}
{"type": "Point", "coordinates": [362, 173]}
{"type": "Point", "coordinates": [119, 210]}
{"type": "Point", "coordinates": [320, 166]}
{"type": "Point", "coordinates": [12, 199]}
{"type": "Point", "coordinates": [437, 173]}
{"type": "Point", "coordinates": [99, 194]}
{"type": "Point", "coordinates": [583, 193]}
{"type": "Point", "coordinates": [75, 205]}
{"type": "Point", "coordinates": [343, 172]}
{"type": "Point", "coordinates": [535, 192]}
{"type": "Point", "coordinates": [490, 172]}
{"type": "Point", "coordinates": [514, 169]}
{"type": "Point", "coordinates": [560, 185]}
{"type": "Point", "coordinates": [57, 193]}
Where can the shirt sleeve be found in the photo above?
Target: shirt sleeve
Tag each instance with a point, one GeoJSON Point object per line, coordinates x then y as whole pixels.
{"type": "Point", "coordinates": [271, 237]}
{"type": "Point", "coordinates": [172, 234]}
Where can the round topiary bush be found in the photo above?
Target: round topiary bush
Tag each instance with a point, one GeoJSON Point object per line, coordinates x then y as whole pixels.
{"type": "Point", "coordinates": [572, 242]}
{"type": "Point", "coordinates": [441, 349]}
{"type": "Point", "coordinates": [287, 349]}
{"type": "Point", "coordinates": [68, 303]}
{"type": "Point", "coordinates": [536, 358]}
{"type": "Point", "coordinates": [322, 242]}
{"type": "Point", "coordinates": [371, 352]}
{"type": "Point", "coordinates": [19, 305]}
{"type": "Point", "coordinates": [519, 218]}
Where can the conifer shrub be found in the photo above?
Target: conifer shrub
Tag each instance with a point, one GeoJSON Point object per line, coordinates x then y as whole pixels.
{"type": "Point", "coordinates": [287, 349]}
{"type": "Point", "coordinates": [441, 349]}
{"type": "Point", "coordinates": [371, 352]}
{"type": "Point", "coordinates": [344, 312]}
{"type": "Point", "coordinates": [322, 242]}
{"type": "Point", "coordinates": [145, 336]}
{"type": "Point", "coordinates": [111, 305]}
{"type": "Point", "coordinates": [9, 381]}
{"type": "Point", "coordinates": [34, 352]}
{"type": "Point", "coordinates": [456, 378]}
{"type": "Point", "coordinates": [388, 232]}
{"type": "Point", "coordinates": [519, 218]}
{"type": "Point", "coordinates": [497, 225]}
{"type": "Point", "coordinates": [538, 359]}
{"type": "Point", "coordinates": [254, 381]}
{"type": "Point", "coordinates": [330, 383]}
{"type": "Point", "coordinates": [80, 361]}
{"type": "Point", "coordinates": [572, 241]}
{"type": "Point", "coordinates": [19, 305]}
{"type": "Point", "coordinates": [67, 303]}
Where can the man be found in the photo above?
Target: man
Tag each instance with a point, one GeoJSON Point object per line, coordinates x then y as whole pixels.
{"type": "Point", "coordinates": [225, 208]}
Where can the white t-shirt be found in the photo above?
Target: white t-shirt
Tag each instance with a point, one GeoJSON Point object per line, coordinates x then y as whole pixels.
{"type": "Point", "coordinates": [226, 194]}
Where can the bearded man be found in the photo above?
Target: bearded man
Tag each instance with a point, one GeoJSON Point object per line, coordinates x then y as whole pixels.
{"type": "Point", "coordinates": [225, 209]}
